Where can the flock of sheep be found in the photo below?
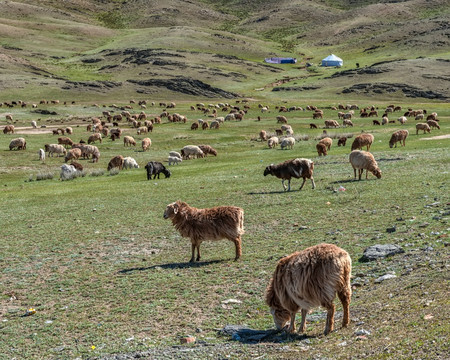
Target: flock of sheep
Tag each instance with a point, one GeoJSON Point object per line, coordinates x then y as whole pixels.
{"type": "Point", "coordinates": [302, 280]}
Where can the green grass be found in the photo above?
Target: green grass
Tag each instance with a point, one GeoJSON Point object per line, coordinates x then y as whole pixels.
{"type": "Point", "coordinates": [96, 258]}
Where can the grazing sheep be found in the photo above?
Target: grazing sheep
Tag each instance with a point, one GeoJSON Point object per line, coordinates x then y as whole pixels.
{"type": "Point", "coordinates": [128, 141]}
{"type": "Point", "coordinates": [67, 172]}
{"type": "Point", "coordinates": [278, 132]}
{"type": "Point", "coordinates": [207, 149]}
{"type": "Point", "coordinates": [55, 149]}
{"type": "Point", "coordinates": [73, 154]}
{"type": "Point", "coordinates": [362, 140]}
{"type": "Point", "coordinates": [317, 115]}
{"type": "Point", "coordinates": [281, 119]}
{"type": "Point", "coordinates": [8, 117]}
{"type": "Point", "coordinates": [312, 126]}
{"type": "Point", "coordinates": [287, 143]}
{"type": "Point", "coordinates": [384, 120]}
{"type": "Point", "coordinates": [327, 142]}
{"type": "Point", "coordinates": [422, 126]}
{"type": "Point", "coordinates": [205, 125]}
{"type": "Point", "coordinates": [364, 160]}
{"type": "Point", "coordinates": [230, 117]}
{"type": "Point", "coordinates": [399, 135]}
{"type": "Point", "coordinates": [155, 168]}
{"type": "Point", "coordinates": [214, 124]}
{"type": "Point", "coordinates": [34, 124]}
{"type": "Point", "coordinates": [175, 153]}
{"type": "Point", "coordinates": [116, 161]}
{"type": "Point", "coordinates": [222, 222]}
{"type": "Point", "coordinates": [308, 279]}
{"type": "Point", "coordinates": [376, 122]}
{"type": "Point", "coordinates": [347, 122]}
{"type": "Point", "coordinates": [193, 150]}
{"type": "Point", "coordinates": [18, 143]}
{"type": "Point", "coordinates": [77, 165]}
{"type": "Point", "coordinates": [95, 137]}
{"type": "Point", "coordinates": [146, 143]}
{"type": "Point", "coordinates": [419, 117]}
{"type": "Point", "coordinates": [272, 142]}
{"type": "Point", "coordinates": [41, 153]}
{"type": "Point", "coordinates": [142, 130]}
{"type": "Point", "coordinates": [194, 126]}
{"type": "Point", "coordinates": [65, 141]}
{"type": "Point", "coordinates": [295, 168]}
{"type": "Point", "coordinates": [69, 130]}
{"type": "Point", "coordinates": [117, 133]}
{"type": "Point", "coordinates": [321, 149]}
{"type": "Point", "coordinates": [342, 141]}
{"type": "Point", "coordinates": [130, 163]}
{"type": "Point", "coordinates": [402, 120]}
{"type": "Point", "coordinates": [331, 123]}
{"type": "Point", "coordinates": [433, 124]}
{"type": "Point", "coordinates": [174, 160]}
{"type": "Point", "coordinates": [8, 129]}
{"type": "Point", "coordinates": [263, 135]}
{"type": "Point", "coordinates": [88, 150]}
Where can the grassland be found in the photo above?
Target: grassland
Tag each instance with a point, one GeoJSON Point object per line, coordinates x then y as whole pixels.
{"type": "Point", "coordinates": [103, 269]}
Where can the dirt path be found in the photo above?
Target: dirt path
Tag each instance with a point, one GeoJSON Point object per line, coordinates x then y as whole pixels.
{"type": "Point", "coordinates": [440, 137]}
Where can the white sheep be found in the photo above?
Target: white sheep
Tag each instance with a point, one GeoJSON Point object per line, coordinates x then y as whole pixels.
{"type": "Point", "coordinates": [193, 150]}
{"type": "Point", "coordinates": [175, 154]}
{"type": "Point", "coordinates": [18, 143]}
{"type": "Point", "coordinates": [130, 163]}
{"type": "Point", "coordinates": [34, 124]}
{"type": "Point", "coordinates": [41, 153]}
{"type": "Point", "coordinates": [287, 143]}
{"type": "Point", "coordinates": [364, 160]}
{"type": "Point", "coordinates": [272, 142]}
{"type": "Point", "coordinates": [67, 172]}
{"type": "Point", "coordinates": [174, 160]}
{"type": "Point", "coordinates": [55, 149]}
{"type": "Point", "coordinates": [402, 119]}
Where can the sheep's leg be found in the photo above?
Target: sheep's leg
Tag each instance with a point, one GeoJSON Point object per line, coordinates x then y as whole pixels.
{"type": "Point", "coordinates": [198, 252]}
{"type": "Point", "coordinates": [284, 186]}
{"type": "Point", "coordinates": [330, 319]}
{"type": "Point", "coordinates": [360, 171]}
{"type": "Point", "coordinates": [344, 296]}
{"type": "Point", "coordinates": [354, 172]}
{"type": "Point", "coordinates": [237, 244]}
{"type": "Point", "coordinates": [303, 323]}
{"type": "Point", "coordinates": [289, 185]}
{"type": "Point", "coordinates": [303, 183]}
{"type": "Point", "coordinates": [367, 173]}
{"type": "Point", "coordinates": [193, 253]}
{"type": "Point", "coordinates": [291, 328]}
{"type": "Point", "coordinates": [313, 183]}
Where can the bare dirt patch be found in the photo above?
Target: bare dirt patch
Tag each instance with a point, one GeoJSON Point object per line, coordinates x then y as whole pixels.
{"type": "Point", "coordinates": [439, 137]}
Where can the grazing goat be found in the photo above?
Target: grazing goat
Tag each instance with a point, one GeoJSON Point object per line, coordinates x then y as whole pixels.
{"type": "Point", "coordinates": [307, 279]}
{"type": "Point", "coordinates": [222, 222]}
{"type": "Point", "coordinates": [399, 135]}
{"type": "Point", "coordinates": [116, 161]}
{"type": "Point", "coordinates": [155, 168]}
{"type": "Point", "coordinates": [364, 160]}
{"type": "Point", "coordinates": [295, 168]}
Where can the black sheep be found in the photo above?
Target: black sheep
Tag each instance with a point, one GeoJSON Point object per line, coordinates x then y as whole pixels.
{"type": "Point", "coordinates": [155, 168]}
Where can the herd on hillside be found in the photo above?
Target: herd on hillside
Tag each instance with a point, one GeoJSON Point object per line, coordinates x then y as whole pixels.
{"type": "Point", "coordinates": [301, 281]}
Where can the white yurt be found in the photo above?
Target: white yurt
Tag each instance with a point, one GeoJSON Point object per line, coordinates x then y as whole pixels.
{"type": "Point", "coordinates": [332, 60]}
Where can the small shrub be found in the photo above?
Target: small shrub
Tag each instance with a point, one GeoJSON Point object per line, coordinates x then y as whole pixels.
{"type": "Point", "coordinates": [44, 176]}
{"type": "Point", "coordinates": [114, 171]}
{"type": "Point", "coordinates": [99, 172]}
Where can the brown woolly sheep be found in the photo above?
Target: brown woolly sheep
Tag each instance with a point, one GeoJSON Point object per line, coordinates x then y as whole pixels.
{"type": "Point", "coordinates": [65, 141]}
{"type": "Point", "coordinates": [308, 279]}
{"type": "Point", "coordinates": [8, 129]}
{"type": "Point", "coordinates": [327, 141]}
{"type": "Point", "coordinates": [321, 149]}
{"type": "Point", "coordinates": [205, 125]}
{"type": "Point", "coordinates": [433, 124]}
{"type": "Point", "coordinates": [281, 119]}
{"type": "Point", "coordinates": [362, 140]}
{"type": "Point", "coordinates": [342, 141]}
{"type": "Point", "coordinates": [295, 168]}
{"type": "Point", "coordinates": [364, 160]}
{"type": "Point", "coordinates": [72, 154]}
{"type": "Point", "coordinates": [399, 135]}
{"type": "Point", "coordinates": [77, 165]}
{"type": "Point", "coordinates": [116, 161]}
{"type": "Point", "coordinates": [312, 126]}
{"type": "Point", "coordinates": [18, 143]}
{"type": "Point", "coordinates": [222, 222]}
{"type": "Point", "coordinates": [128, 141]}
{"type": "Point", "coordinates": [194, 126]}
{"type": "Point", "coordinates": [207, 149]}
{"type": "Point", "coordinates": [95, 137]}
{"type": "Point", "coordinates": [422, 126]}
{"type": "Point", "coordinates": [331, 123]}
{"type": "Point", "coordinates": [146, 143]}
{"type": "Point", "coordinates": [263, 135]}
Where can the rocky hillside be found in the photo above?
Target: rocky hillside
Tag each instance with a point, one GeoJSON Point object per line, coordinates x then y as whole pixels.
{"type": "Point", "coordinates": [112, 48]}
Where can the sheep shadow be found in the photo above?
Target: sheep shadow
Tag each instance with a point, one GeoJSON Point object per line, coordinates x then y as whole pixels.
{"type": "Point", "coordinates": [246, 335]}
{"type": "Point", "coordinates": [272, 192]}
{"type": "Point", "coordinates": [339, 182]}
{"type": "Point", "coordinates": [171, 266]}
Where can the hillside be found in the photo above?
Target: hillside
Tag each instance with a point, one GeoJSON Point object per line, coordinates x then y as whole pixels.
{"type": "Point", "coordinates": [101, 48]}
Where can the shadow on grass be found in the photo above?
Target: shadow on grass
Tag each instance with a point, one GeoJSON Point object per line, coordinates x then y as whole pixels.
{"type": "Point", "coordinates": [371, 178]}
{"type": "Point", "coordinates": [185, 265]}
{"type": "Point", "coordinates": [246, 335]}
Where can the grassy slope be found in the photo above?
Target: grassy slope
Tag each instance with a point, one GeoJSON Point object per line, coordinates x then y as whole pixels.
{"type": "Point", "coordinates": [95, 256]}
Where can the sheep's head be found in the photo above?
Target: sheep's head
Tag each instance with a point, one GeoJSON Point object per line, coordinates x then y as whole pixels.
{"type": "Point", "coordinates": [171, 210]}
{"type": "Point", "coordinates": [281, 318]}
{"type": "Point", "coordinates": [268, 170]}
{"type": "Point", "coordinates": [377, 173]}
{"type": "Point", "coordinates": [166, 173]}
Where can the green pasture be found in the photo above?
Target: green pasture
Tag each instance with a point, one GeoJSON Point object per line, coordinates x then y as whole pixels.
{"type": "Point", "coordinates": [106, 273]}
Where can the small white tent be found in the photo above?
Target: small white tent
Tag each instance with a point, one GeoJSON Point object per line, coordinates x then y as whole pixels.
{"type": "Point", "coordinates": [332, 60]}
